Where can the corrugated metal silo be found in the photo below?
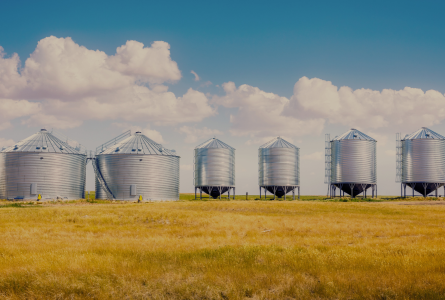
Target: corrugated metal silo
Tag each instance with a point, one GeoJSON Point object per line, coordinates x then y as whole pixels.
{"type": "Point", "coordinates": [214, 172]}
{"type": "Point", "coordinates": [133, 166]}
{"type": "Point", "coordinates": [279, 167]}
{"type": "Point", "coordinates": [421, 161]}
{"type": "Point", "coordinates": [42, 164]}
{"type": "Point", "coordinates": [351, 163]}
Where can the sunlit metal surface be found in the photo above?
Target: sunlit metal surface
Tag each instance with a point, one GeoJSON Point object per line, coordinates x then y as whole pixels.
{"type": "Point", "coordinates": [53, 167]}
{"type": "Point", "coordinates": [278, 163]}
{"type": "Point", "coordinates": [141, 162]}
{"type": "Point", "coordinates": [423, 157]}
{"type": "Point", "coordinates": [214, 171]}
{"type": "Point", "coordinates": [278, 166]}
{"type": "Point", "coordinates": [352, 160]}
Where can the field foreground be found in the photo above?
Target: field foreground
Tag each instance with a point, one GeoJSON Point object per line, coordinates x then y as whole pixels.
{"type": "Point", "coordinates": [222, 250]}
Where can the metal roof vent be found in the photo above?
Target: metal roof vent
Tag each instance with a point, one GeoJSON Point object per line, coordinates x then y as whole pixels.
{"type": "Point", "coordinates": [43, 129]}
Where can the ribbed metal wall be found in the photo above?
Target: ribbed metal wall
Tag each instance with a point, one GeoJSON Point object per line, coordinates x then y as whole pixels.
{"type": "Point", "coordinates": [156, 176]}
{"type": "Point", "coordinates": [56, 175]}
{"type": "Point", "coordinates": [423, 160]}
{"type": "Point", "coordinates": [215, 167]}
{"type": "Point", "coordinates": [353, 161]}
{"type": "Point", "coordinates": [278, 167]}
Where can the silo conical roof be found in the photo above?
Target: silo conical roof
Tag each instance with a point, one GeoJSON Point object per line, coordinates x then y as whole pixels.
{"type": "Point", "coordinates": [138, 144]}
{"type": "Point", "coordinates": [42, 141]}
{"type": "Point", "coordinates": [278, 142]}
{"type": "Point", "coordinates": [353, 134]}
{"type": "Point", "coordinates": [214, 143]}
{"type": "Point", "coordinates": [424, 133]}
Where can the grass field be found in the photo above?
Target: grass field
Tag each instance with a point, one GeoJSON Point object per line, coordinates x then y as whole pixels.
{"type": "Point", "coordinates": [223, 249]}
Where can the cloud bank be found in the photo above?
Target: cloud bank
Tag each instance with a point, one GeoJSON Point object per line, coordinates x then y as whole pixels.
{"type": "Point", "coordinates": [316, 102]}
{"type": "Point", "coordinates": [65, 83]}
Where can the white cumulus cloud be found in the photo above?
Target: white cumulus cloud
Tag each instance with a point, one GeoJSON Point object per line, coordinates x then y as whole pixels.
{"type": "Point", "coordinates": [6, 142]}
{"type": "Point", "coordinates": [319, 155]}
{"type": "Point", "coordinates": [196, 75]}
{"type": "Point", "coordinates": [409, 108]}
{"type": "Point", "coordinates": [315, 101]}
{"type": "Point", "coordinates": [147, 131]}
{"type": "Point", "coordinates": [194, 134]}
{"type": "Point", "coordinates": [261, 114]}
{"type": "Point", "coordinates": [70, 83]}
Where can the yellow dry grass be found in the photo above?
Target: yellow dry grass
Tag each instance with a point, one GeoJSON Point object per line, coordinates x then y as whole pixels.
{"type": "Point", "coordinates": [222, 250]}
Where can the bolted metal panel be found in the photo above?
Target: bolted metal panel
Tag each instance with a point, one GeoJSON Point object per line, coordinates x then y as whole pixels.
{"type": "Point", "coordinates": [423, 157]}
{"type": "Point", "coordinates": [278, 164]}
{"type": "Point", "coordinates": [156, 176]}
{"type": "Point", "coordinates": [353, 159]}
{"type": "Point", "coordinates": [42, 164]}
{"type": "Point", "coordinates": [215, 166]}
{"type": "Point", "coordinates": [55, 175]}
{"type": "Point", "coordinates": [139, 161]}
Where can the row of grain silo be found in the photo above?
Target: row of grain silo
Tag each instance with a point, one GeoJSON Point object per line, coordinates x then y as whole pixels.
{"type": "Point", "coordinates": [134, 167]}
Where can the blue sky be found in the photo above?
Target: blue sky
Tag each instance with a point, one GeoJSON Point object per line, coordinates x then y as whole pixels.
{"type": "Point", "coordinates": [373, 45]}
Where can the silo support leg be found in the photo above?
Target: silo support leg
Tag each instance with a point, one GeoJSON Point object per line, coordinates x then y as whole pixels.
{"type": "Point", "coordinates": [293, 194]}
{"type": "Point", "coordinates": [200, 194]}
{"type": "Point", "coordinates": [260, 193]}
{"type": "Point", "coordinates": [298, 193]}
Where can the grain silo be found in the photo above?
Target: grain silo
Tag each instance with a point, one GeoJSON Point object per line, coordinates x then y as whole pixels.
{"type": "Point", "coordinates": [351, 163]}
{"type": "Point", "coordinates": [421, 162]}
{"type": "Point", "coordinates": [214, 172]}
{"type": "Point", "coordinates": [133, 166]}
{"type": "Point", "coordinates": [279, 168]}
{"type": "Point", "coordinates": [42, 165]}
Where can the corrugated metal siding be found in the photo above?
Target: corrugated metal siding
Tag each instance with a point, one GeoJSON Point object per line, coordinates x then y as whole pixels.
{"type": "Point", "coordinates": [56, 175]}
{"type": "Point", "coordinates": [278, 167]}
{"type": "Point", "coordinates": [156, 176]}
{"type": "Point", "coordinates": [353, 161]}
{"type": "Point", "coordinates": [423, 160]}
{"type": "Point", "coordinates": [215, 167]}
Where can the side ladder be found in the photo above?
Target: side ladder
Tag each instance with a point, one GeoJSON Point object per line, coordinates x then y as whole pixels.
{"type": "Point", "coordinates": [101, 180]}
